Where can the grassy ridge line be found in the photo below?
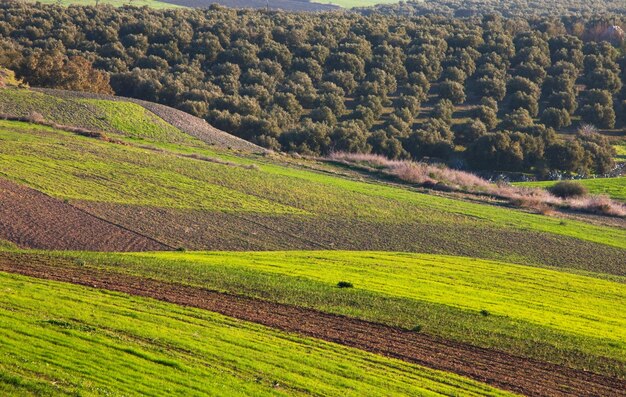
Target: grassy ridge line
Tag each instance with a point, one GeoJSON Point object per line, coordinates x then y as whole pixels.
{"type": "Point", "coordinates": [71, 167]}
{"type": "Point", "coordinates": [613, 187]}
{"type": "Point", "coordinates": [123, 118]}
{"type": "Point", "coordinates": [544, 314]}
{"type": "Point", "coordinates": [83, 340]}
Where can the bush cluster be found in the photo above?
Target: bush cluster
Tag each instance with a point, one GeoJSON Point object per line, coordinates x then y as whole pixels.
{"type": "Point", "coordinates": [316, 83]}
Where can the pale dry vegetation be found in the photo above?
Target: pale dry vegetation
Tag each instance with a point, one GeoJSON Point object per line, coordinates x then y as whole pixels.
{"type": "Point", "coordinates": [440, 177]}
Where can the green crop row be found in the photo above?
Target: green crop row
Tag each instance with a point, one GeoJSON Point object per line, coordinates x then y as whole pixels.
{"type": "Point", "coordinates": [60, 339]}
{"type": "Point", "coordinates": [546, 314]}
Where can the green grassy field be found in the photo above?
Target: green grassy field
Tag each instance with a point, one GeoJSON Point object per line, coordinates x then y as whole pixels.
{"type": "Point", "coordinates": [541, 313]}
{"type": "Point", "coordinates": [76, 168]}
{"type": "Point", "coordinates": [118, 118]}
{"type": "Point", "coordinates": [80, 342]}
{"type": "Point", "coordinates": [116, 3]}
{"type": "Point", "coordinates": [613, 187]}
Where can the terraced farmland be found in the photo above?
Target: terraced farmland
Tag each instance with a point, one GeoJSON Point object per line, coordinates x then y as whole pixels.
{"type": "Point", "coordinates": [540, 313]}
{"type": "Point", "coordinates": [79, 343]}
{"type": "Point", "coordinates": [168, 192]}
{"type": "Point", "coordinates": [444, 296]}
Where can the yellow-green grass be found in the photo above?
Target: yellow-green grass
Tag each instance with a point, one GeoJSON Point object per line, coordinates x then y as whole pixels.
{"type": "Point", "coordinates": [613, 187]}
{"type": "Point", "coordinates": [550, 315]}
{"type": "Point", "coordinates": [60, 339]}
{"type": "Point", "coordinates": [621, 152]}
{"type": "Point", "coordinates": [77, 168]}
{"type": "Point", "coordinates": [122, 118]}
{"type": "Point", "coordinates": [59, 164]}
{"type": "Point", "coordinates": [115, 3]}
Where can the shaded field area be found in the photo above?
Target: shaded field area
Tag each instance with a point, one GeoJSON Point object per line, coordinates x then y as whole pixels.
{"type": "Point", "coordinates": [541, 314]}
{"type": "Point", "coordinates": [489, 366]}
{"type": "Point", "coordinates": [197, 198]}
{"type": "Point", "coordinates": [84, 340]}
{"type": "Point", "coordinates": [29, 218]}
{"type": "Point", "coordinates": [612, 187]}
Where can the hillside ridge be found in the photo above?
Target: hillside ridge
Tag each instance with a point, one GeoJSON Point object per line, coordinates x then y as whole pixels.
{"type": "Point", "coordinates": [187, 123]}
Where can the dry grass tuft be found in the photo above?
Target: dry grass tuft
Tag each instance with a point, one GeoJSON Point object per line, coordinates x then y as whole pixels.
{"type": "Point", "coordinates": [441, 177]}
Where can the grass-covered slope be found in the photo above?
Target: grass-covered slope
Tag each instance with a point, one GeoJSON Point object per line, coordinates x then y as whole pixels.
{"type": "Point", "coordinates": [126, 118]}
{"type": "Point", "coordinates": [613, 187]}
{"type": "Point", "coordinates": [205, 199]}
{"type": "Point", "coordinates": [91, 342]}
{"type": "Point", "coordinates": [545, 314]}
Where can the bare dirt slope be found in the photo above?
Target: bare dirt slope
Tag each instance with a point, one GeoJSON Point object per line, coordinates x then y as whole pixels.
{"type": "Point", "coordinates": [32, 219]}
{"type": "Point", "coordinates": [509, 372]}
{"type": "Point", "coordinates": [185, 122]}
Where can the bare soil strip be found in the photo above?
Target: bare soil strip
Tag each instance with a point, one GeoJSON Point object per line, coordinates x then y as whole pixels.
{"type": "Point", "coordinates": [34, 220]}
{"type": "Point", "coordinates": [505, 371]}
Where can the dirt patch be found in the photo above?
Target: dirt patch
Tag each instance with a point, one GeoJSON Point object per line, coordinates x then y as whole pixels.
{"type": "Point", "coordinates": [203, 230]}
{"type": "Point", "coordinates": [32, 219]}
{"type": "Point", "coordinates": [505, 371]}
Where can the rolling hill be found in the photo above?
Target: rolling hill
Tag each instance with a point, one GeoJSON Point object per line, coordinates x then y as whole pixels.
{"type": "Point", "coordinates": [307, 277]}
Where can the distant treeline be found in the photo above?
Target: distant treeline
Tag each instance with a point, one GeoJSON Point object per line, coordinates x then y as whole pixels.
{"type": "Point", "coordinates": [483, 92]}
{"type": "Point", "coordinates": [506, 8]}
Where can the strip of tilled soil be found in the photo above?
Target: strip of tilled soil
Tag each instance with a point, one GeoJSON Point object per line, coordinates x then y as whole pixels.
{"type": "Point", "coordinates": [32, 219]}
{"type": "Point", "coordinates": [517, 374]}
{"type": "Point", "coordinates": [203, 230]}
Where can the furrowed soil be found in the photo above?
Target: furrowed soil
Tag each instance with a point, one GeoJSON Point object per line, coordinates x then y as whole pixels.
{"type": "Point", "coordinates": [32, 219]}
{"type": "Point", "coordinates": [505, 371]}
{"type": "Point", "coordinates": [221, 231]}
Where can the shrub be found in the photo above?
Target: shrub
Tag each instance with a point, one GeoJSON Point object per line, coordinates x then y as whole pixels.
{"type": "Point", "coordinates": [567, 189]}
{"type": "Point", "coordinates": [344, 284]}
{"type": "Point", "coordinates": [417, 328]}
{"type": "Point", "coordinates": [485, 313]}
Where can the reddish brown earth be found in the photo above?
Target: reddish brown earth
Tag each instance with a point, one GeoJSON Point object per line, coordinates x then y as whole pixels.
{"type": "Point", "coordinates": [32, 219]}
{"type": "Point", "coordinates": [505, 371]}
{"type": "Point", "coordinates": [204, 230]}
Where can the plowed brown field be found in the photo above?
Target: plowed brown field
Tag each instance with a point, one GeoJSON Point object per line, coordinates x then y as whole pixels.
{"type": "Point", "coordinates": [509, 372]}
{"type": "Point", "coordinates": [204, 230]}
{"type": "Point", "coordinates": [32, 219]}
